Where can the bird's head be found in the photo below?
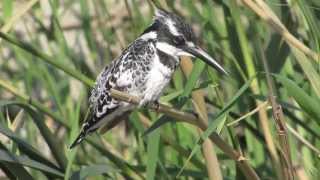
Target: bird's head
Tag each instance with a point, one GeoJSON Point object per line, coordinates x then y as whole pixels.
{"type": "Point", "coordinates": [176, 38]}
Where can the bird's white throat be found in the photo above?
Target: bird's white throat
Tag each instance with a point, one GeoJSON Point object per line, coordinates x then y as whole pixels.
{"type": "Point", "coordinates": [149, 35]}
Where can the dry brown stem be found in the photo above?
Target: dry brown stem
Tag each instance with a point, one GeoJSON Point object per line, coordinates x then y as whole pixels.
{"type": "Point", "coordinates": [210, 155]}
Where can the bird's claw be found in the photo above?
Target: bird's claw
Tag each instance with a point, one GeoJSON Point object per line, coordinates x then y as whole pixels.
{"type": "Point", "coordinates": [153, 104]}
{"type": "Point", "coordinates": [156, 105]}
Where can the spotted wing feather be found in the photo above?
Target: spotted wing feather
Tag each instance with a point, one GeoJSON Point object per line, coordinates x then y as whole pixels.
{"type": "Point", "coordinates": [127, 73]}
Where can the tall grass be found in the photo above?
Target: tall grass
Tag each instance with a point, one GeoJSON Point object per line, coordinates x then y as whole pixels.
{"type": "Point", "coordinates": [261, 122]}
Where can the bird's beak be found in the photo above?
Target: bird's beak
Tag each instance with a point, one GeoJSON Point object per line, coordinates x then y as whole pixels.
{"type": "Point", "coordinates": [201, 54]}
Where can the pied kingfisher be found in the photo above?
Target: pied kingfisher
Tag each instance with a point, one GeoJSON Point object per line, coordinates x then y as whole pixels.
{"type": "Point", "coordinates": [144, 69]}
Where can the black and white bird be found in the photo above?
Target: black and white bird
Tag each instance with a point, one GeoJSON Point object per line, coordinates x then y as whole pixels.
{"type": "Point", "coordinates": [143, 69]}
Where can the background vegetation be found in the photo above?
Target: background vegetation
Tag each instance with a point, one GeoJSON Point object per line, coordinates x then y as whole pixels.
{"type": "Point", "coordinates": [263, 119]}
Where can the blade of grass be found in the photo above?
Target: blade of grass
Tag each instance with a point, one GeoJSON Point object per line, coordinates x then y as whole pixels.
{"type": "Point", "coordinates": [254, 147]}
{"type": "Point", "coordinates": [153, 151]}
{"type": "Point", "coordinates": [28, 100]}
{"type": "Point", "coordinates": [27, 148]}
{"type": "Point", "coordinates": [263, 105]}
{"type": "Point", "coordinates": [303, 140]}
{"type": "Point", "coordinates": [268, 15]}
{"type": "Point", "coordinates": [308, 104]}
{"type": "Point", "coordinates": [23, 160]}
{"type": "Point", "coordinates": [128, 171]}
{"type": "Point", "coordinates": [7, 6]}
{"type": "Point", "coordinates": [92, 171]}
{"type": "Point", "coordinates": [17, 170]}
{"type": "Point", "coordinates": [278, 116]}
{"type": "Point", "coordinates": [86, 23]}
{"type": "Point", "coordinates": [18, 122]}
{"type": "Point", "coordinates": [73, 134]}
{"type": "Point", "coordinates": [172, 142]}
{"type": "Point", "coordinates": [209, 132]}
{"type": "Point", "coordinates": [158, 123]}
{"type": "Point", "coordinates": [52, 142]}
{"type": "Point", "coordinates": [193, 78]}
{"type": "Point", "coordinates": [192, 72]}
{"type": "Point", "coordinates": [50, 60]}
{"type": "Point", "coordinates": [19, 13]}
{"type": "Point", "coordinates": [308, 69]}
{"type": "Point", "coordinates": [51, 84]}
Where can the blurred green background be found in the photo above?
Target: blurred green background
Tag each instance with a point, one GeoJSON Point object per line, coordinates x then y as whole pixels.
{"type": "Point", "coordinates": [51, 51]}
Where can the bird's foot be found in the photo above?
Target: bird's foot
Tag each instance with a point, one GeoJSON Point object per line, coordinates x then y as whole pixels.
{"type": "Point", "coordinates": [155, 105]}
{"type": "Point", "coordinates": [152, 104]}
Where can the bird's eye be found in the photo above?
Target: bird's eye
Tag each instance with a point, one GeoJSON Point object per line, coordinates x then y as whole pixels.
{"type": "Point", "coordinates": [178, 40]}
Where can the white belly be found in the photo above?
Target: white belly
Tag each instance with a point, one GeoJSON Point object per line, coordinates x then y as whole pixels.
{"type": "Point", "coordinates": [158, 78]}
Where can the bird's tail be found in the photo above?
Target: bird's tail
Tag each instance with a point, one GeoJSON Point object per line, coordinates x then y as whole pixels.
{"type": "Point", "coordinates": [92, 123]}
{"type": "Point", "coordinates": [78, 140]}
{"type": "Point", "coordinates": [84, 131]}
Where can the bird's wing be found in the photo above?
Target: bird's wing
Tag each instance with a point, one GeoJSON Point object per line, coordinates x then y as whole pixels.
{"type": "Point", "coordinates": [126, 73]}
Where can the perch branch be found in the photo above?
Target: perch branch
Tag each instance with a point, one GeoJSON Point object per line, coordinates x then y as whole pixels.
{"type": "Point", "coordinates": [193, 119]}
